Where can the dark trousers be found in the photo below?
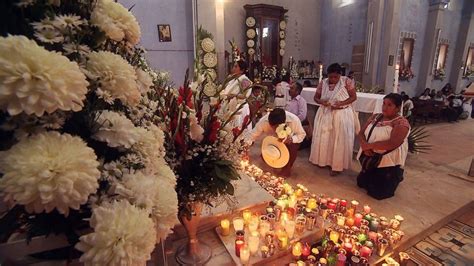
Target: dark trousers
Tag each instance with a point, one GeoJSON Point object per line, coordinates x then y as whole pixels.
{"type": "Point", "coordinates": [293, 149]}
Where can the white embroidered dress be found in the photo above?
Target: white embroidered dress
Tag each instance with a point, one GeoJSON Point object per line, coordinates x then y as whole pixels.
{"type": "Point", "coordinates": [334, 130]}
{"type": "Point", "coordinates": [233, 88]}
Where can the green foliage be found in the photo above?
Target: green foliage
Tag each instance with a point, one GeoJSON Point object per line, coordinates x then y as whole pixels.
{"type": "Point", "coordinates": [417, 140]}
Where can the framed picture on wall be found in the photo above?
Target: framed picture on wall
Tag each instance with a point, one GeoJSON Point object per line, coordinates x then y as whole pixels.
{"type": "Point", "coordinates": [164, 32]}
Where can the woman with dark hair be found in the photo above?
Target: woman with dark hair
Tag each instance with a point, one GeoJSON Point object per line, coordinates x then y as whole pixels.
{"type": "Point", "coordinates": [238, 87]}
{"type": "Point", "coordinates": [426, 95]}
{"type": "Point", "coordinates": [281, 90]}
{"type": "Point", "coordinates": [383, 149]}
{"type": "Point", "coordinates": [447, 89]}
{"type": "Point", "coordinates": [335, 122]}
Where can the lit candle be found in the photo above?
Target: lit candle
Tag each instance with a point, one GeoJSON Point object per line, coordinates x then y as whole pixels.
{"type": "Point", "coordinates": [238, 224]}
{"type": "Point", "coordinates": [297, 250]}
{"type": "Point", "coordinates": [320, 73]}
{"type": "Point", "coordinates": [247, 214]}
{"type": "Point", "coordinates": [284, 218]}
{"type": "Point", "coordinates": [399, 218]}
{"type": "Point", "coordinates": [225, 227]}
{"type": "Point", "coordinates": [348, 247]}
{"type": "Point", "coordinates": [264, 228]}
{"type": "Point", "coordinates": [341, 260]}
{"type": "Point", "coordinates": [357, 219]}
{"type": "Point", "coordinates": [349, 221]}
{"type": "Point", "coordinates": [395, 224]}
{"type": "Point", "coordinates": [299, 193]}
{"type": "Point", "coordinates": [253, 224]}
{"type": "Point", "coordinates": [264, 251]}
{"type": "Point", "coordinates": [238, 245]}
{"type": "Point", "coordinates": [332, 205]}
{"type": "Point", "coordinates": [374, 225]}
{"type": "Point", "coordinates": [343, 203]}
{"type": "Point", "coordinates": [334, 236]}
{"type": "Point", "coordinates": [367, 209]}
{"type": "Point", "coordinates": [341, 220]}
{"type": "Point", "coordinates": [312, 204]}
{"type": "Point", "coordinates": [244, 255]}
{"type": "Point", "coordinates": [283, 241]}
{"type": "Point", "coordinates": [395, 79]}
{"type": "Point", "coordinates": [373, 236]}
{"type": "Point", "coordinates": [254, 241]}
{"type": "Point", "coordinates": [354, 205]}
{"type": "Point", "coordinates": [292, 201]}
{"type": "Point", "coordinates": [290, 228]}
{"type": "Point", "coordinates": [365, 252]}
{"type": "Point", "coordinates": [362, 238]}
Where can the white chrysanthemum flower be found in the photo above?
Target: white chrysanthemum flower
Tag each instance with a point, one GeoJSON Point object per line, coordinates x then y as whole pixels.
{"type": "Point", "coordinates": [115, 75]}
{"type": "Point", "coordinates": [44, 24]}
{"type": "Point", "coordinates": [123, 235]}
{"type": "Point", "coordinates": [116, 21]}
{"type": "Point", "coordinates": [144, 80]}
{"type": "Point", "coordinates": [71, 48]}
{"type": "Point", "coordinates": [49, 171]}
{"type": "Point", "coordinates": [196, 131]}
{"type": "Point", "coordinates": [34, 80]}
{"type": "Point", "coordinates": [65, 22]}
{"type": "Point", "coordinates": [116, 130]}
{"type": "Point", "coordinates": [150, 146]}
{"type": "Point", "coordinates": [165, 213]}
{"type": "Point", "coordinates": [49, 36]}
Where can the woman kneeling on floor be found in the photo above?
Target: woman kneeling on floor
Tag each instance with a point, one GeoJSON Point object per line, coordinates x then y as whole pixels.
{"type": "Point", "coordinates": [384, 148]}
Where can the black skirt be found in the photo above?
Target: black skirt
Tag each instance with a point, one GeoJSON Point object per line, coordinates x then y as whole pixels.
{"type": "Point", "coordinates": [381, 183]}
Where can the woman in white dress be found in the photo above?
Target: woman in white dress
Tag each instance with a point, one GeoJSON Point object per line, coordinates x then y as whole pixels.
{"type": "Point", "coordinates": [238, 86]}
{"type": "Point", "coordinates": [281, 90]}
{"type": "Point", "coordinates": [335, 122]}
{"type": "Point", "coordinates": [384, 135]}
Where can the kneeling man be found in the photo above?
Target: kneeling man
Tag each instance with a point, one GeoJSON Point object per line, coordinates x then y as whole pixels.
{"type": "Point", "coordinates": [279, 118]}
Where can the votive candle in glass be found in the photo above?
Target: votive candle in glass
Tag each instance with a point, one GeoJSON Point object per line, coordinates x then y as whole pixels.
{"type": "Point", "coordinates": [244, 255]}
{"type": "Point", "coordinates": [297, 250]}
{"type": "Point", "coordinates": [253, 224]}
{"type": "Point", "coordinates": [362, 238]}
{"type": "Point", "coordinates": [254, 241]}
{"type": "Point", "coordinates": [357, 219]}
{"type": "Point", "coordinates": [374, 225]}
{"type": "Point", "coordinates": [395, 224]}
{"type": "Point", "coordinates": [341, 220]}
{"type": "Point", "coordinates": [264, 227]}
{"type": "Point", "coordinates": [290, 228]}
{"type": "Point", "coordinates": [225, 227]}
{"type": "Point", "coordinates": [246, 214]}
{"type": "Point", "coordinates": [238, 223]}
{"type": "Point", "coordinates": [399, 218]}
{"type": "Point", "coordinates": [354, 205]}
{"type": "Point", "coordinates": [283, 241]}
{"type": "Point", "coordinates": [349, 221]}
{"type": "Point", "coordinates": [300, 225]}
{"type": "Point", "coordinates": [365, 252]}
{"type": "Point", "coordinates": [334, 236]}
{"type": "Point", "coordinates": [312, 204]}
{"type": "Point", "coordinates": [367, 209]}
{"type": "Point", "coordinates": [238, 246]}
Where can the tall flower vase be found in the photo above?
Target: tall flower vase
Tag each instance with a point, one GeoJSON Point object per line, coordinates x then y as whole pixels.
{"type": "Point", "coordinates": [193, 252]}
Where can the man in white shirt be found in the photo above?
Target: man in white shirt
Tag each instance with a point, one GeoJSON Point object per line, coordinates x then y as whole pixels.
{"type": "Point", "coordinates": [268, 124]}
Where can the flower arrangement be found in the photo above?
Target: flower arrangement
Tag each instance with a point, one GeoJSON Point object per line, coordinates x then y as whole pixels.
{"type": "Point", "coordinates": [440, 74]}
{"type": "Point", "coordinates": [80, 146]}
{"type": "Point", "coordinates": [376, 89]}
{"type": "Point", "coordinates": [202, 141]}
{"type": "Point", "coordinates": [269, 73]}
{"type": "Point", "coordinates": [406, 74]}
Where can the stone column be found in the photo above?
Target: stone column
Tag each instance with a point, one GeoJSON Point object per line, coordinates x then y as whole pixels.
{"type": "Point", "coordinates": [389, 44]}
{"type": "Point", "coordinates": [466, 29]}
{"type": "Point", "coordinates": [210, 15]}
{"type": "Point", "coordinates": [430, 44]}
{"type": "Point", "coordinates": [372, 45]}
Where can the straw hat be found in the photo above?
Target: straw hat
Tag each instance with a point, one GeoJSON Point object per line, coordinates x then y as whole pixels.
{"type": "Point", "coordinates": [274, 152]}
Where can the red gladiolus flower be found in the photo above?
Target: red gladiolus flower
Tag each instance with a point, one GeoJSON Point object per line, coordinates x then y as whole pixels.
{"type": "Point", "coordinates": [185, 95]}
{"type": "Point", "coordinates": [215, 125]}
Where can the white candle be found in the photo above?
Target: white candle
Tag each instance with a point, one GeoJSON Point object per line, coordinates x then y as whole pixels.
{"type": "Point", "coordinates": [395, 82]}
{"type": "Point", "coordinates": [320, 73]}
{"type": "Point", "coordinates": [254, 241]}
{"type": "Point", "coordinates": [238, 223]}
{"type": "Point", "coordinates": [244, 255]}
